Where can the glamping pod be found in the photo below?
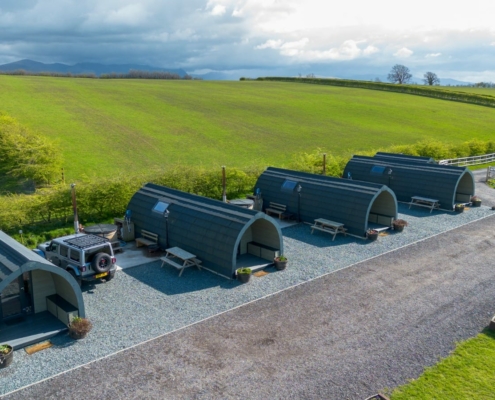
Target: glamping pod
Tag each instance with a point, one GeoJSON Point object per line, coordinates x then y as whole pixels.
{"type": "Point", "coordinates": [447, 184]}
{"type": "Point", "coordinates": [38, 298]}
{"type": "Point", "coordinates": [223, 236]}
{"type": "Point", "coordinates": [309, 196]}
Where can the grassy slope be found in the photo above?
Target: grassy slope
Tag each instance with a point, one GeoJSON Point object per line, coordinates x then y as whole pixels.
{"type": "Point", "coordinates": [467, 374]}
{"type": "Point", "coordinates": [108, 126]}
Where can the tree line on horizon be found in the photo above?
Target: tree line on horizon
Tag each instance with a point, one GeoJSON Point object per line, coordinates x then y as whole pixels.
{"type": "Point", "coordinates": [132, 74]}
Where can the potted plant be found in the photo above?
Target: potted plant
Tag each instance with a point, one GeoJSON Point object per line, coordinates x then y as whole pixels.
{"type": "Point", "coordinates": [280, 262]}
{"type": "Point", "coordinates": [372, 234]}
{"type": "Point", "coordinates": [79, 327]}
{"type": "Point", "coordinates": [475, 201]}
{"type": "Point", "coordinates": [399, 225]}
{"type": "Point", "coordinates": [491, 326]}
{"type": "Point", "coordinates": [6, 355]}
{"type": "Point", "coordinates": [244, 274]}
{"type": "Point", "coordinates": [458, 208]}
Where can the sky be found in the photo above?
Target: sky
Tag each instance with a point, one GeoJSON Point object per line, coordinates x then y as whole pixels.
{"type": "Point", "coordinates": [348, 39]}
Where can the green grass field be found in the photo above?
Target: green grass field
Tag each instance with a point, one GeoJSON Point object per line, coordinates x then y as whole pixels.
{"type": "Point", "coordinates": [467, 374]}
{"type": "Point", "coordinates": [109, 126]}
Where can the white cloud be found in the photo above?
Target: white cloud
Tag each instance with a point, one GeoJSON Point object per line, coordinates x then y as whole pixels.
{"type": "Point", "coordinates": [218, 10]}
{"type": "Point", "coordinates": [132, 14]}
{"type": "Point", "coordinates": [215, 8]}
{"type": "Point", "coordinates": [270, 44]}
{"type": "Point", "coordinates": [370, 50]}
{"type": "Point", "coordinates": [403, 53]}
{"type": "Point", "coordinates": [433, 55]}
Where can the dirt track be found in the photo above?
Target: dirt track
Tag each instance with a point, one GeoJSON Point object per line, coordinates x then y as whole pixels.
{"type": "Point", "coordinates": [343, 336]}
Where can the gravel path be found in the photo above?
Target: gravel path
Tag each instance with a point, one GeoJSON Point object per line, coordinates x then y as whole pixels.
{"type": "Point", "coordinates": [343, 336]}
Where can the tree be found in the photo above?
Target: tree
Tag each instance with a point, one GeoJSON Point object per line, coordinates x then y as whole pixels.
{"type": "Point", "coordinates": [430, 78]}
{"type": "Point", "coordinates": [24, 154]}
{"type": "Point", "coordinates": [399, 74]}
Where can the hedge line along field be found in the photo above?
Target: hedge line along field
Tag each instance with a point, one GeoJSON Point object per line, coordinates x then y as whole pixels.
{"type": "Point", "coordinates": [109, 126]}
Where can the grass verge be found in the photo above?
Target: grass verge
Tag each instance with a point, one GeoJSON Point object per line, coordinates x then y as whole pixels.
{"type": "Point", "coordinates": [467, 374]}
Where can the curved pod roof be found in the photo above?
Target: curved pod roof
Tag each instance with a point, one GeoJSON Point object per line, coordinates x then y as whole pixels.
{"type": "Point", "coordinates": [399, 157]}
{"type": "Point", "coordinates": [447, 184]}
{"type": "Point", "coordinates": [214, 231]}
{"type": "Point", "coordinates": [346, 201]}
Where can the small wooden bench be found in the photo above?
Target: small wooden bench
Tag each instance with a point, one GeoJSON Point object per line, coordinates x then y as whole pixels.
{"type": "Point", "coordinates": [147, 239]}
{"type": "Point", "coordinates": [278, 209]}
{"type": "Point", "coordinates": [419, 201]}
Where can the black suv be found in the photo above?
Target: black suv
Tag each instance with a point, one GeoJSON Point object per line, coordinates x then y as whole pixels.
{"type": "Point", "coordinates": [86, 257]}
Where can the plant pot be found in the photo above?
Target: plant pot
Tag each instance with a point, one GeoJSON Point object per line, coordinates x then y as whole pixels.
{"type": "Point", "coordinates": [243, 278]}
{"type": "Point", "coordinates": [458, 209]}
{"type": "Point", "coordinates": [491, 326]}
{"type": "Point", "coordinates": [476, 203]}
{"type": "Point", "coordinates": [280, 265]}
{"type": "Point", "coordinates": [6, 359]}
{"type": "Point", "coordinates": [372, 236]}
{"type": "Point", "coordinates": [77, 336]}
{"type": "Point", "coordinates": [398, 228]}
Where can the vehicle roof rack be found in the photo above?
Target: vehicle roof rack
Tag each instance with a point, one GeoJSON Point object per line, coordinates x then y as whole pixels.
{"type": "Point", "coordinates": [86, 241]}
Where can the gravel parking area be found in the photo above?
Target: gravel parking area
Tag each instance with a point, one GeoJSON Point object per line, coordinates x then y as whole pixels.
{"type": "Point", "coordinates": [146, 302]}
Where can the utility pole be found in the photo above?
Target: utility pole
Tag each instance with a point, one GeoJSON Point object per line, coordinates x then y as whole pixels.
{"type": "Point", "coordinates": [224, 193]}
{"type": "Point", "coordinates": [74, 207]}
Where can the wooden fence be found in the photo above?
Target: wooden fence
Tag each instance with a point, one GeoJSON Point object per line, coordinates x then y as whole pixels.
{"type": "Point", "coordinates": [473, 160]}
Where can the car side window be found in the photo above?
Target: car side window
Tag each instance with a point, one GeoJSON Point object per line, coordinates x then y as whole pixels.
{"type": "Point", "coordinates": [64, 250]}
{"type": "Point", "coordinates": [53, 247]}
{"type": "Point", "coordinates": [75, 255]}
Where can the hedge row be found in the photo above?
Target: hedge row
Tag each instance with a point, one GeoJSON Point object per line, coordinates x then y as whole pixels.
{"type": "Point", "coordinates": [428, 91]}
{"type": "Point", "coordinates": [98, 200]}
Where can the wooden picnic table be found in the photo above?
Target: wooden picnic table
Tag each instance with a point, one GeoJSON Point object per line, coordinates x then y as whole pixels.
{"type": "Point", "coordinates": [419, 201]}
{"type": "Point", "coordinates": [332, 227]}
{"type": "Point", "coordinates": [188, 259]}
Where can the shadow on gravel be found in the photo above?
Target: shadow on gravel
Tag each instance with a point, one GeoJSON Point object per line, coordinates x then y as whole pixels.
{"type": "Point", "coordinates": [167, 280]}
{"type": "Point", "coordinates": [302, 233]}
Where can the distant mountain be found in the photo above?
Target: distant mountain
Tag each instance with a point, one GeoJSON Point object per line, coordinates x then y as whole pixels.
{"type": "Point", "coordinates": [84, 68]}
{"type": "Point", "coordinates": [216, 76]}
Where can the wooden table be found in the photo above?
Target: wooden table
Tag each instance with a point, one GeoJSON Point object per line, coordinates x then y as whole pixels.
{"type": "Point", "coordinates": [424, 202]}
{"type": "Point", "coordinates": [188, 259]}
{"type": "Point", "coordinates": [328, 226]}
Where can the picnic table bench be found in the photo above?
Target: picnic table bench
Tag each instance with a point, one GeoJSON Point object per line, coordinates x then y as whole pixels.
{"type": "Point", "coordinates": [188, 259]}
{"type": "Point", "coordinates": [328, 226]}
{"type": "Point", "coordinates": [278, 209]}
{"type": "Point", "coordinates": [147, 239]}
{"type": "Point", "coordinates": [419, 201]}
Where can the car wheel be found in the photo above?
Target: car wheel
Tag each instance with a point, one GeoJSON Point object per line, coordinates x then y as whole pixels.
{"type": "Point", "coordinates": [101, 262]}
{"type": "Point", "coordinates": [77, 278]}
{"type": "Point", "coordinates": [109, 277]}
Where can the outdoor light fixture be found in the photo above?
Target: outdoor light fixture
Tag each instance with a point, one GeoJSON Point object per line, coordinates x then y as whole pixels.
{"type": "Point", "coordinates": [298, 189]}
{"type": "Point", "coordinates": [165, 215]}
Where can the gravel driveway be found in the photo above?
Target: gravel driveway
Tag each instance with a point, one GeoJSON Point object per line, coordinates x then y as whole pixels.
{"type": "Point", "coordinates": [343, 336]}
